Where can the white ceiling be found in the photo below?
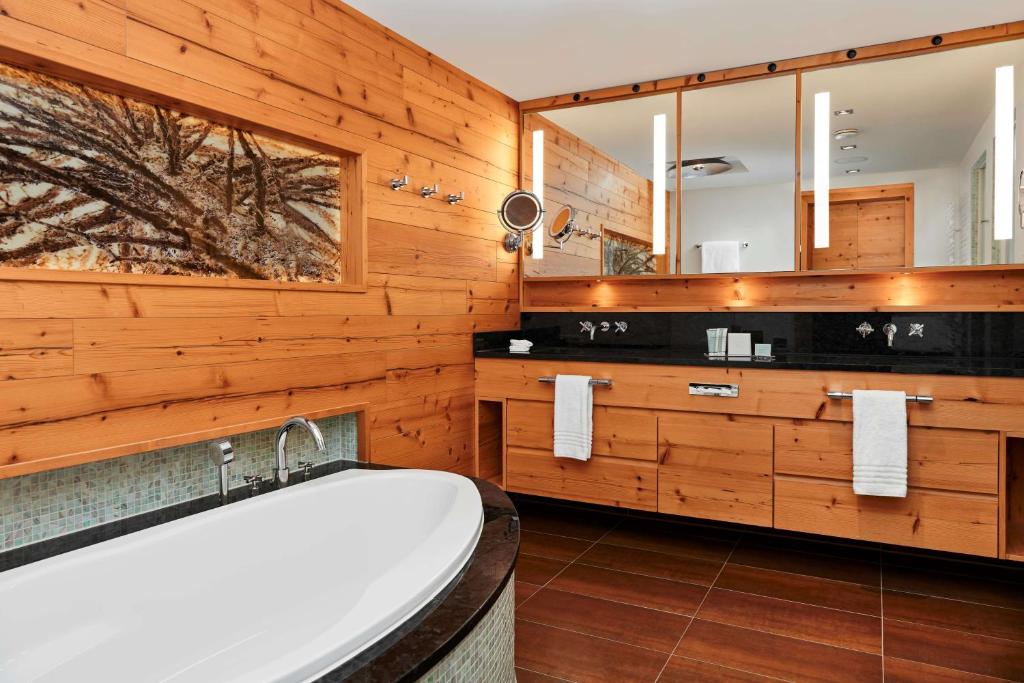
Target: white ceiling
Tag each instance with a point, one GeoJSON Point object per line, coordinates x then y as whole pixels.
{"type": "Point", "coordinates": [534, 48]}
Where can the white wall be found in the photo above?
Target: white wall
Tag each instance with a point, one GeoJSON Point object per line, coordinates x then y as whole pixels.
{"type": "Point", "coordinates": [759, 214]}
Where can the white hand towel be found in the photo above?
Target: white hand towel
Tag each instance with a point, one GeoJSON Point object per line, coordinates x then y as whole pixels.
{"type": "Point", "coordinates": [720, 257]}
{"type": "Point", "coordinates": [880, 443]}
{"type": "Point", "coordinates": [574, 416]}
{"type": "Point", "coordinates": [519, 345]}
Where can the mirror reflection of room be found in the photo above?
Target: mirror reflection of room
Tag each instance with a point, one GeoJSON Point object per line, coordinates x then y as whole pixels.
{"type": "Point", "coordinates": [923, 160]}
{"type": "Point", "coordinates": [600, 171]}
{"type": "Point", "coordinates": [738, 165]}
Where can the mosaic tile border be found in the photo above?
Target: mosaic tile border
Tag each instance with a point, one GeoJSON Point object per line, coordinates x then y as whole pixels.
{"type": "Point", "coordinates": [488, 652]}
{"type": "Point", "coordinates": [38, 507]}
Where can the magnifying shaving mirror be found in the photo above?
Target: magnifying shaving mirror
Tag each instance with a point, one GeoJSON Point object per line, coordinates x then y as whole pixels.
{"type": "Point", "coordinates": [519, 213]}
{"type": "Point", "coordinates": [565, 226]}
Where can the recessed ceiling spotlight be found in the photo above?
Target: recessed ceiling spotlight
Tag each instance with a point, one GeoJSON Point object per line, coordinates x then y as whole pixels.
{"type": "Point", "coordinates": [850, 160]}
{"type": "Point", "coordinates": [844, 133]}
{"type": "Point", "coordinates": [851, 171]}
{"type": "Point", "coordinates": [842, 112]}
{"type": "Point", "coordinates": [847, 148]}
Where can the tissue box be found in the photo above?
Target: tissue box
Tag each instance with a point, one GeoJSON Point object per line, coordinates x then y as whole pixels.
{"type": "Point", "coordinates": [739, 344]}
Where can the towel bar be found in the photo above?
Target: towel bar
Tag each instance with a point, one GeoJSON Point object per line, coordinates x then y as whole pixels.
{"type": "Point", "coordinates": [910, 397]}
{"type": "Point", "coordinates": [742, 244]}
{"type": "Point", "coordinates": [593, 382]}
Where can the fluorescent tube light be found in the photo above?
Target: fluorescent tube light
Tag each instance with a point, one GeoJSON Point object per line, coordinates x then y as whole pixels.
{"type": "Point", "coordinates": [822, 140]}
{"type": "Point", "coordinates": [1002, 178]}
{"type": "Point", "coordinates": [660, 171]}
{"type": "Point", "coordinates": [538, 189]}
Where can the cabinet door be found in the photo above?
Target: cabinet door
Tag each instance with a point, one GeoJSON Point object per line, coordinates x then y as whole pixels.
{"type": "Point", "coordinates": [618, 432]}
{"type": "Point", "coordinates": [715, 467]}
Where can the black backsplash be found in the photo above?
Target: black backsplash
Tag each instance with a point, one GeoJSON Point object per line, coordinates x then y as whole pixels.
{"type": "Point", "coordinates": [959, 335]}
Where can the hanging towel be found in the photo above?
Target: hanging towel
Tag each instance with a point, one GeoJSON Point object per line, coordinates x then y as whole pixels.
{"type": "Point", "coordinates": [720, 257]}
{"type": "Point", "coordinates": [519, 346]}
{"type": "Point", "coordinates": [880, 443]}
{"type": "Point", "coordinates": [574, 415]}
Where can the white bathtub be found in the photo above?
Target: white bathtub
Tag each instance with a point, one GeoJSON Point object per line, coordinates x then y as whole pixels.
{"type": "Point", "coordinates": [282, 587]}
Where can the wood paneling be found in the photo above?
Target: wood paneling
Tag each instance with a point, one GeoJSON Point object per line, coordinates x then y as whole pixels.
{"type": "Point", "coordinates": [969, 288]}
{"type": "Point", "coordinates": [93, 369]}
{"type": "Point", "coordinates": [617, 432]}
{"type": "Point", "coordinates": [940, 520]}
{"type": "Point", "coordinates": [604, 480]}
{"type": "Point", "coordinates": [715, 467]}
{"type": "Point", "coordinates": [951, 459]}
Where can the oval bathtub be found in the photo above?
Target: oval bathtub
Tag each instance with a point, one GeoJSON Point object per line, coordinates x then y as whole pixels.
{"type": "Point", "coordinates": [282, 587]}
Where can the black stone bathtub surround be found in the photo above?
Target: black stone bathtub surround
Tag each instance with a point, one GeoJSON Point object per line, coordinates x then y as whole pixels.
{"type": "Point", "coordinates": [418, 644]}
{"type": "Point", "coordinates": [990, 344]}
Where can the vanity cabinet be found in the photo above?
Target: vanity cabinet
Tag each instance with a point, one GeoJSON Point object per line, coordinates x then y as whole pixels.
{"type": "Point", "coordinates": [777, 455]}
{"type": "Point", "coordinates": [715, 467]}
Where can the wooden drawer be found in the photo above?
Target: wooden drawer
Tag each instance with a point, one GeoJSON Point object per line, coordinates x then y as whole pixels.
{"type": "Point", "coordinates": [715, 467]}
{"type": "Point", "coordinates": [603, 480]}
{"type": "Point", "coordinates": [951, 459]}
{"type": "Point", "coordinates": [939, 520]}
{"type": "Point", "coordinates": [618, 432]}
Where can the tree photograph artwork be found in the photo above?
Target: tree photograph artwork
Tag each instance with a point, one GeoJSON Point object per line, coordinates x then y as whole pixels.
{"type": "Point", "coordinates": [92, 181]}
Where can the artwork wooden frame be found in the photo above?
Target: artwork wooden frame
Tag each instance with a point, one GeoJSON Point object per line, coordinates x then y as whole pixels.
{"type": "Point", "coordinates": [795, 66]}
{"type": "Point", "coordinates": [347, 165]}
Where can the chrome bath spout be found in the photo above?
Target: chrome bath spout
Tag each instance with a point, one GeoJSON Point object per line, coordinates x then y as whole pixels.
{"type": "Point", "coordinates": [281, 459]}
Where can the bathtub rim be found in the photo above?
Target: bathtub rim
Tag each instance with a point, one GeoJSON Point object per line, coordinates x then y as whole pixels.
{"type": "Point", "coordinates": [415, 646]}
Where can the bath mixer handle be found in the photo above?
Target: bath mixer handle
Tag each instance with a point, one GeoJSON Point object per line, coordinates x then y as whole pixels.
{"type": "Point", "coordinates": [254, 481]}
{"type": "Point", "coordinates": [307, 469]}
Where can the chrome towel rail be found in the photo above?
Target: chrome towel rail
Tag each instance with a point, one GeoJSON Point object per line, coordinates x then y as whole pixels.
{"type": "Point", "coordinates": [911, 398]}
{"type": "Point", "coordinates": [593, 382]}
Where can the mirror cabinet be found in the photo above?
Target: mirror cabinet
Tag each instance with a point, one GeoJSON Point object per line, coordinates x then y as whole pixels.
{"type": "Point", "coordinates": [897, 163]}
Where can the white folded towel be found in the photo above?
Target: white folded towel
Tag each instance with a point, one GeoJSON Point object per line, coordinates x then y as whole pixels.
{"type": "Point", "coordinates": [880, 443]}
{"type": "Point", "coordinates": [720, 257]}
{"type": "Point", "coordinates": [574, 417]}
{"type": "Point", "coordinates": [519, 345]}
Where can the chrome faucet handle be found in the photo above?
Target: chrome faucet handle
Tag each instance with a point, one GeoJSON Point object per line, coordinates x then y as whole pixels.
{"type": "Point", "coordinates": [916, 330]}
{"type": "Point", "coordinates": [621, 326]}
{"type": "Point", "coordinates": [254, 481]}
{"type": "Point", "coordinates": [890, 332]}
{"type": "Point", "coordinates": [307, 469]}
{"type": "Point", "coordinates": [428, 192]}
{"type": "Point", "coordinates": [456, 198]}
{"type": "Point", "coordinates": [587, 326]}
{"type": "Point", "coordinates": [399, 183]}
{"type": "Point", "coordinates": [865, 329]}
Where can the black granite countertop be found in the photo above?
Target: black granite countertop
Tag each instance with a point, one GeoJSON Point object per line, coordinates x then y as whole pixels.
{"type": "Point", "coordinates": [422, 640]}
{"type": "Point", "coordinates": [918, 365]}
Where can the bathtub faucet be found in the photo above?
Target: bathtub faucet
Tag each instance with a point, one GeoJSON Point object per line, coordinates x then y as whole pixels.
{"type": "Point", "coordinates": [281, 462]}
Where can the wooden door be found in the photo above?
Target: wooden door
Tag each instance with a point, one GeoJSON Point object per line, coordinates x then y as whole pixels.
{"type": "Point", "coordinates": [869, 227]}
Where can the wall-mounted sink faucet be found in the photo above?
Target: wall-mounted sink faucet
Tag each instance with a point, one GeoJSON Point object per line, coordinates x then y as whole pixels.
{"type": "Point", "coordinates": [222, 455]}
{"type": "Point", "coordinates": [281, 459]}
{"type": "Point", "coordinates": [587, 326]}
{"type": "Point", "coordinates": [890, 332]}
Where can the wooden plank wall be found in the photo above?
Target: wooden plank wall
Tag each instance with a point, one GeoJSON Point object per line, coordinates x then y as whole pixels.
{"type": "Point", "coordinates": [607, 194]}
{"type": "Point", "coordinates": [92, 370]}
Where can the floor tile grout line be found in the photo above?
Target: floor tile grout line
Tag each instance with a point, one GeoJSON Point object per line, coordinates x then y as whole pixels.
{"type": "Point", "coordinates": [726, 666]}
{"type": "Point", "coordinates": [650, 576]}
{"type": "Point", "coordinates": [790, 637]}
{"type": "Point", "coordinates": [686, 630]}
{"type": "Point", "coordinates": [616, 602]}
{"type": "Point", "coordinates": [956, 630]}
{"type": "Point", "coordinates": [541, 673]}
{"type": "Point", "coordinates": [994, 679]}
{"type": "Point", "coordinates": [810, 576]}
{"type": "Point", "coordinates": [799, 602]}
{"type": "Point", "coordinates": [591, 635]}
{"type": "Point", "coordinates": [962, 601]}
{"type": "Point", "coordinates": [567, 565]}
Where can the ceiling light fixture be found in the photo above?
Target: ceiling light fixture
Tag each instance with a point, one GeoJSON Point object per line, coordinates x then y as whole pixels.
{"type": "Point", "coordinates": [658, 213]}
{"type": "Point", "coordinates": [1002, 178]}
{"type": "Point", "coordinates": [822, 106]}
{"type": "Point", "coordinates": [842, 112]}
{"type": "Point", "coordinates": [538, 190]}
{"type": "Point", "coordinates": [844, 133]}
{"type": "Point", "coordinates": [847, 148]}
{"type": "Point", "coordinates": [851, 171]}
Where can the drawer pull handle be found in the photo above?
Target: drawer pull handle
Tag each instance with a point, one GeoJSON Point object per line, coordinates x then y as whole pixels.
{"type": "Point", "coordinates": [911, 398]}
{"type": "Point", "coordinates": [724, 390]}
{"type": "Point", "coordinates": [593, 382]}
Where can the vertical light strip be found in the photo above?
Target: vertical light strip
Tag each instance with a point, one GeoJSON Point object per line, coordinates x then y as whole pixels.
{"type": "Point", "coordinates": [538, 189]}
{"type": "Point", "coordinates": [1002, 178]}
{"type": "Point", "coordinates": [822, 107]}
{"type": "Point", "coordinates": [659, 199]}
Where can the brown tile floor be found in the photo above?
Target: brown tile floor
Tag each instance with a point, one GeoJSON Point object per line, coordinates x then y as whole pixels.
{"type": "Point", "coordinates": [608, 597]}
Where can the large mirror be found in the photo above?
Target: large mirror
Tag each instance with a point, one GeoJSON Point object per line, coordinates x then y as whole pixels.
{"type": "Point", "coordinates": [918, 160]}
{"type": "Point", "coordinates": [608, 196]}
{"type": "Point", "coordinates": [738, 170]}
